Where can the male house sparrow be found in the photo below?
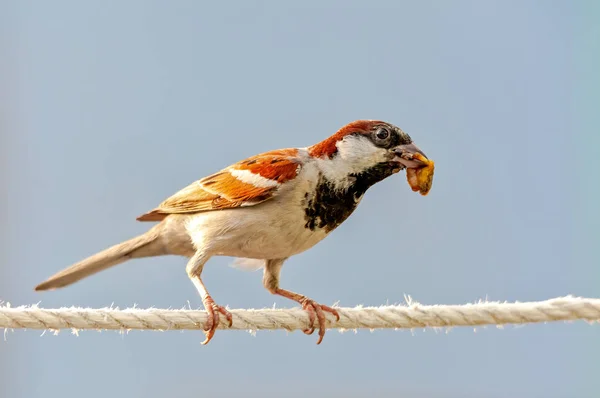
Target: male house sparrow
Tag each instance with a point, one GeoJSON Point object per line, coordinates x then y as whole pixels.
{"type": "Point", "coordinates": [267, 207]}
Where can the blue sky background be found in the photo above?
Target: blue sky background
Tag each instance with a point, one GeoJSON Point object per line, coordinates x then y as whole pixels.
{"type": "Point", "coordinates": [107, 108]}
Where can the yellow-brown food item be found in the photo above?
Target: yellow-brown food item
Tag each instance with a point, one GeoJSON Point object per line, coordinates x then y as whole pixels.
{"type": "Point", "coordinates": [420, 179]}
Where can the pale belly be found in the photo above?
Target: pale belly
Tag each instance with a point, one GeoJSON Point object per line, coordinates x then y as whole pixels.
{"type": "Point", "coordinates": [265, 231]}
{"type": "Point", "coordinates": [292, 222]}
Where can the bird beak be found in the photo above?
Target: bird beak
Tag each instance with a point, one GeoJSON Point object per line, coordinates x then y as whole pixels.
{"type": "Point", "coordinates": [404, 154]}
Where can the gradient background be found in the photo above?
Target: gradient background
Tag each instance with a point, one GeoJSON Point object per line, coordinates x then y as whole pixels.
{"type": "Point", "coordinates": [107, 108]}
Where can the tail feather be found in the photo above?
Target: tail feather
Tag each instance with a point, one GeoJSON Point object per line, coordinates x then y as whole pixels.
{"type": "Point", "coordinates": [145, 245]}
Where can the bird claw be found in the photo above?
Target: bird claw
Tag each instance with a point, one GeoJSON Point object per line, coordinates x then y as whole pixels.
{"type": "Point", "coordinates": [316, 310]}
{"type": "Point", "coordinates": [213, 310]}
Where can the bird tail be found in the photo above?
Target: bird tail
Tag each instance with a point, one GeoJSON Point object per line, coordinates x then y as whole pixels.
{"type": "Point", "coordinates": [145, 245]}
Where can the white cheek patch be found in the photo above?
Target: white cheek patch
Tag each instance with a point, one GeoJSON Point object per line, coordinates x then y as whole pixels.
{"type": "Point", "coordinates": [248, 177]}
{"type": "Point", "coordinates": [355, 154]}
{"type": "Point", "coordinates": [361, 151]}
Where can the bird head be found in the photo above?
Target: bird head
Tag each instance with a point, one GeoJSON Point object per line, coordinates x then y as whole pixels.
{"type": "Point", "coordinates": [365, 145]}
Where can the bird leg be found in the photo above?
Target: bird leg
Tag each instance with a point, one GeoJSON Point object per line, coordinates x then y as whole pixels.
{"type": "Point", "coordinates": [194, 269]}
{"type": "Point", "coordinates": [314, 309]}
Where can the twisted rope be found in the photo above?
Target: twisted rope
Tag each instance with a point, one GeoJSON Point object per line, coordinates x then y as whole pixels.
{"type": "Point", "coordinates": [412, 315]}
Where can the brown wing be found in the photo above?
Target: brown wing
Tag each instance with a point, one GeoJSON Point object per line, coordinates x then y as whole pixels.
{"type": "Point", "coordinates": [245, 183]}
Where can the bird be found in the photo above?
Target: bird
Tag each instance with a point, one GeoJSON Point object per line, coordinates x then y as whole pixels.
{"type": "Point", "coordinates": [264, 209]}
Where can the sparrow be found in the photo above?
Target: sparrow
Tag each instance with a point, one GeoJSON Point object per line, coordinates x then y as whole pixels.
{"type": "Point", "coordinates": [265, 208]}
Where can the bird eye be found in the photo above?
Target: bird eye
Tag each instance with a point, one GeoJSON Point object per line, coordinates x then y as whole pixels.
{"type": "Point", "coordinates": [382, 134]}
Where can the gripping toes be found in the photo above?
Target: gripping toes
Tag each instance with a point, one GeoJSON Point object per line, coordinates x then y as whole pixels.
{"type": "Point", "coordinates": [213, 310]}
{"type": "Point", "coordinates": [316, 310]}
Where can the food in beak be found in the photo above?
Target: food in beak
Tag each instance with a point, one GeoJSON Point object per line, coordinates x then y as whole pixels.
{"type": "Point", "coordinates": [420, 179]}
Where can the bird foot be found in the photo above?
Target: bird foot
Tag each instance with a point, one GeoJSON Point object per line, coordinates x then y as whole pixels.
{"type": "Point", "coordinates": [316, 310]}
{"type": "Point", "coordinates": [213, 310]}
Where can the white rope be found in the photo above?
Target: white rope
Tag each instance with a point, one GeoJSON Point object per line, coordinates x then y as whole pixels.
{"type": "Point", "coordinates": [412, 315]}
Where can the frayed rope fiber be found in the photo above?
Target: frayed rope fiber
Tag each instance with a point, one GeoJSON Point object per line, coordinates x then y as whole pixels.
{"type": "Point", "coordinates": [410, 316]}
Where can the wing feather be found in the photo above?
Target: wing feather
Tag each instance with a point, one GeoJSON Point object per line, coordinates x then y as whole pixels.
{"type": "Point", "coordinates": [246, 183]}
